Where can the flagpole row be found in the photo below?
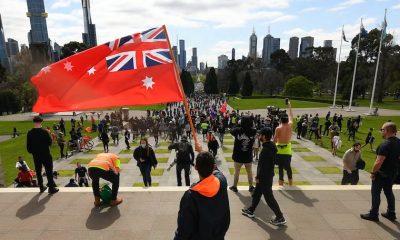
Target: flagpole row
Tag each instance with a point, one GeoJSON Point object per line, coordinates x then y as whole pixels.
{"type": "Point", "coordinates": [355, 70]}
{"type": "Point", "coordinates": [377, 66]}
{"type": "Point", "coordinates": [185, 103]}
{"type": "Point", "coordinates": [337, 73]}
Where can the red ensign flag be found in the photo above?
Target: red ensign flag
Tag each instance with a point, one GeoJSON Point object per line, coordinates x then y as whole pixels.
{"type": "Point", "coordinates": [133, 70]}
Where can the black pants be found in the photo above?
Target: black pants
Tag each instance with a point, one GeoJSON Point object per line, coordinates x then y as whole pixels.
{"type": "Point", "coordinates": [284, 163]}
{"type": "Point", "coordinates": [47, 162]}
{"type": "Point", "coordinates": [179, 168]}
{"type": "Point", "coordinates": [83, 181]}
{"type": "Point", "coordinates": [266, 190]}
{"type": "Point", "coordinates": [61, 149]}
{"type": "Point", "coordinates": [351, 178]}
{"type": "Point", "coordinates": [96, 173]}
{"type": "Point", "coordinates": [105, 146]}
{"type": "Point", "coordinates": [386, 184]}
{"type": "Point", "coordinates": [127, 143]}
{"type": "Point", "coordinates": [145, 170]}
{"type": "Point", "coordinates": [156, 139]}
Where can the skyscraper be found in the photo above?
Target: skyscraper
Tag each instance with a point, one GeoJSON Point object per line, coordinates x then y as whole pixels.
{"type": "Point", "coordinates": [327, 43]}
{"type": "Point", "coordinates": [89, 36]}
{"type": "Point", "coordinates": [4, 60]}
{"type": "Point", "coordinates": [233, 54]}
{"type": "Point", "coordinates": [38, 38]}
{"type": "Point", "coordinates": [202, 66]}
{"type": "Point", "coordinates": [222, 61]}
{"type": "Point", "coordinates": [12, 47]}
{"type": "Point", "coordinates": [194, 58]}
{"type": "Point", "coordinates": [306, 45]}
{"type": "Point", "coordinates": [293, 47]}
{"type": "Point", "coordinates": [57, 52]}
{"type": "Point", "coordinates": [37, 16]}
{"type": "Point", "coordinates": [176, 56]}
{"type": "Point", "coordinates": [270, 45]}
{"type": "Point", "coordinates": [182, 54]}
{"type": "Point", "coordinates": [253, 45]}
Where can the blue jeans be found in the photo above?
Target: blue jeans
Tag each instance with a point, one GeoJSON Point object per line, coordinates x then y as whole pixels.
{"type": "Point", "coordinates": [145, 171]}
{"type": "Point", "coordinates": [377, 185]}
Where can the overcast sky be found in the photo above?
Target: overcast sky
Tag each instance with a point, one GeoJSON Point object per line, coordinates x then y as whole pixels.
{"type": "Point", "coordinates": [213, 26]}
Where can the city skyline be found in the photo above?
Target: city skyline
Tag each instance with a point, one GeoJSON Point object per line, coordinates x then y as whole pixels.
{"type": "Point", "coordinates": [212, 36]}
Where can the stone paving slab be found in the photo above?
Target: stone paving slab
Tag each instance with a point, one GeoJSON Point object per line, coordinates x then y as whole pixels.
{"type": "Point", "coordinates": [151, 214]}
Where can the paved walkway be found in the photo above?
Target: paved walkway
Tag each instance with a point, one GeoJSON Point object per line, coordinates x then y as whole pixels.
{"type": "Point", "coordinates": [151, 215]}
{"type": "Point", "coordinates": [309, 167]}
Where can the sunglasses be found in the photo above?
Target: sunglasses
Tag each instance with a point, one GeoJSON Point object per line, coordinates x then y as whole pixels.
{"type": "Point", "coordinates": [382, 129]}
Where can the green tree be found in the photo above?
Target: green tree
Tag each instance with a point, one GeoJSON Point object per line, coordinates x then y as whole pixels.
{"type": "Point", "coordinates": [9, 102]}
{"type": "Point", "coordinates": [233, 84]}
{"type": "Point", "coordinates": [210, 85]}
{"type": "Point", "coordinates": [280, 60]}
{"type": "Point", "coordinates": [71, 48]}
{"type": "Point", "coordinates": [247, 87]}
{"type": "Point", "coordinates": [299, 87]}
{"type": "Point", "coordinates": [187, 82]}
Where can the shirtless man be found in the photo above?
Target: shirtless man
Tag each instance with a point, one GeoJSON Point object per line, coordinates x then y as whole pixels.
{"type": "Point", "coordinates": [282, 137]}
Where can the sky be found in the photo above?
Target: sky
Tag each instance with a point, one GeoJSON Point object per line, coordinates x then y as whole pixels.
{"type": "Point", "coordinates": [213, 26]}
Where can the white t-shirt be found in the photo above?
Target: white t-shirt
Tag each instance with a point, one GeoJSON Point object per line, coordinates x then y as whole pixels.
{"type": "Point", "coordinates": [18, 165]}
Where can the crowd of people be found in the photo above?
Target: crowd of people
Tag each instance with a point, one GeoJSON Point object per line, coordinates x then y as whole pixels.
{"type": "Point", "coordinates": [261, 140]}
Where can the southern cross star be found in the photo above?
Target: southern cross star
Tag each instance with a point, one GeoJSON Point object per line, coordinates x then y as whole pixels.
{"type": "Point", "coordinates": [46, 69]}
{"type": "Point", "coordinates": [91, 71]}
{"type": "Point", "coordinates": [68, 66]}
{"type": "Point", "coordinates": [148, 82]}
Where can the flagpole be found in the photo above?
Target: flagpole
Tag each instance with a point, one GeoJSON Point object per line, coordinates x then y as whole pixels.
{"type": "Point", "coordinates": [354, 73]}
{"type": "Point", "coordinates": [377, 67]}
{"type": "Point", "coordinates": [185, 103]}
{"type": "Point", "coordinates": [337, 73]}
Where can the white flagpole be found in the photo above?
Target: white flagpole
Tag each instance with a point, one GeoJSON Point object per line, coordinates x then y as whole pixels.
{"type": "Point", "coordinates": [337, 73]}
{"type": "Point", "coordinates": [354, 74]}
{"type": "Point", "coordinates": [376, 69]}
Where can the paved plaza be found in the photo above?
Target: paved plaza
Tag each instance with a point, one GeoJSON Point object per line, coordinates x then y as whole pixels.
{"type": "Point", "coordinates": [151, 214]}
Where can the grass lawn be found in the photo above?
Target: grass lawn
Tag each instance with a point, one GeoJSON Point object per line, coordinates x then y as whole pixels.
{"type": "Point", "coordinates": [87, 160]}
{"type": "Point", "coordinates": [340, 183]}
{"type": "Point", "coordinates": [66, 173]}
{"type": "Point", "coordinates": [161, 151]}
{"type": "Point", "coordinates": [329, 170]}
{"type": "Point", "coordinates": [229, 159]}
{"type": "Point", "coordinates": [299, 183]}
{"type": "Point", "coordinates": [140, 184]}
{"type": "Point", "coordinates": [243, 171]}
{"type": "Point", "coordinates": [162, 160]}
{"type": "Point", "coordinates": [294, 171]}
{"type": "Point", "coordinates": [301, 150]}
{"type": "Point", "coordinates": [368, 122]}
{"type": "Point", "coordinates": [126, 151]}
{"type": "Point", "coordinates": [157, 172]}
{"type": "Point", "coordinates": [248, 104]}
{"type": "Point", "coordinates": [228, 143]}
{"type": "Point", "coordinates": [12, 148]}
{"type": "Point", "coordinates": [388, 103]}
{"type": "Point", "coordinates": [148, 107]}
{"type": "Point", "coordinates": [228, 150]}
{"type": "Point", "coordinates": [313, 158]}
{"type": "Point", "coordinates": [164, 144]}
{"type": "Point", "coordinates": [294, 142]}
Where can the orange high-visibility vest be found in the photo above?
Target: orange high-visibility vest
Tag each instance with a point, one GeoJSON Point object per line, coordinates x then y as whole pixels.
{"type": "Point", "coordinates": [105, 163]}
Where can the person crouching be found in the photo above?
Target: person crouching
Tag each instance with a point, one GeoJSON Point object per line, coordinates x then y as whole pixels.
{"type": "Point", "coordinates": [106, 166]}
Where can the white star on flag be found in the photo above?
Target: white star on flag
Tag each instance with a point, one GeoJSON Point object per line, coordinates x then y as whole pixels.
{"type": "Point", "coordinates": [148, 82]}
{"type": "Point", "coordinates": [46, 69]}
{"type": "Point", "coordinates": [91, 71]}
{"type": "Point", "coordinates": [68, 66]}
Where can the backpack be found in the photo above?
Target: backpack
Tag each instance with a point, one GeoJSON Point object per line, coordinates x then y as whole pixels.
{"type": "Point", "coordinates": [183, 155]}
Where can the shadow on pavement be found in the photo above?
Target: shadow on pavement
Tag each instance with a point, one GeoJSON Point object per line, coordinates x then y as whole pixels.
{"type": "Point", "coordinates": [298, 196]}
{"type": "Point", "coordinates": [391, 231]}
{"type": "Point", "coordinates": [262, 220]}
{"type": "Point", "coordinates": [33, 207]}
{"type": "Point", "coordinates": [101, 217]}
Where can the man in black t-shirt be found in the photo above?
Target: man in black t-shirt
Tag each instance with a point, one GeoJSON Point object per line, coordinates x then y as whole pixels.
{"type": "Point", "coordinates": [82, 174]}
{"type": "Point", "coordinates": [384, 172]}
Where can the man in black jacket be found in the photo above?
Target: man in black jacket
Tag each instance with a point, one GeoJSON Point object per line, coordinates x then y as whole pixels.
{"type": "Point", "coordinates": [264, 179]}
{"type": "Point", "coordinates": [37, 144]}
{"type": "Point", "coordinates": [204, 209]}
{"type": "Point", "coordinates": [184, 158]}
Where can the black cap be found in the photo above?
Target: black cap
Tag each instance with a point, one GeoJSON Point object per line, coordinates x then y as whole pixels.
{"type": "Point", "coordinates": [267, 131]}
{"type": "Point", "coordinates": [37, 119]}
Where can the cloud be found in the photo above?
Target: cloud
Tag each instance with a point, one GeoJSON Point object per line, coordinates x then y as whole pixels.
{"type": "Point", "coordinates": [396, 6]}
{"type": "Point", "coordinates": [345, 4]}
{"type": "Point", "coordinates": [63, 3]}
{"type": "Point", "coordinates": [310, 9]}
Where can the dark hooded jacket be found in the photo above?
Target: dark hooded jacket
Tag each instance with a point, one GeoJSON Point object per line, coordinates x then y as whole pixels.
{"type": "Point", "coordinates": [204, 210]}
{"type": "Point", "coordinates": [266, 162]}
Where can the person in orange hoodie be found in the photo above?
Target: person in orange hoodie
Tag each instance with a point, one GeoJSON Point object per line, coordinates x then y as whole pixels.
{"type": "Point", "coordinates": [204, 209]}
